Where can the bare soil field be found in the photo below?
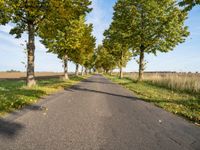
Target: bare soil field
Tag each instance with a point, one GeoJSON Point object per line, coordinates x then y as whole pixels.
{"type": "Point", "coordinates": [22, 75]}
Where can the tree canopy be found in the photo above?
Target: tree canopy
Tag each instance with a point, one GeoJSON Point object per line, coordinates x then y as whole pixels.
{"type": "Point", "coordinates": [39, 17]}
{"type": "Point", "coordinates": [189, 4]}
{"type": "Point", "coordinates": [104, 60]}
{"type": "Point", "coordinates": [149, 26]}
{"type": "Point", "coordinates": [73, 39]}
{"type": "Point", "coordinates": [138, 27]}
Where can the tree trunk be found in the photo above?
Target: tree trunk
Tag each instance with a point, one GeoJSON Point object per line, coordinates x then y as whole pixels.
{"type": "Point", "coordinates": [111, 72]}
{"type": "Point", "coordinates": [86, 71]}
{"type": "Point", "coordinates": [65, 61]}
{"type": "Point", "coordinates": [82, 71]}
{"type": "Point", "coordinates": [121, 64]}
{"type": "Point", "coordinates": [31, 56]}
{"type": "Point", "coordinates": [77, 67]}
{"type": "Point", "coordinates": [141, 65]}
{"type": "Point", "coordinates": [121, 73]}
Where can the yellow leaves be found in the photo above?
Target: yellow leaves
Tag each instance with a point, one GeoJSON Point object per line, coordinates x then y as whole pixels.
{"type": "Point", "coordinates": [44, 110]}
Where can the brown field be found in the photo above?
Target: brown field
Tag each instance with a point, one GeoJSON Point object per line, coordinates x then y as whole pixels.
{"type": "Point", "coordinates": [22, 75]}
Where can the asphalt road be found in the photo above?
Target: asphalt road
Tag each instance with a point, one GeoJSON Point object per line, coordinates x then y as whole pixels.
{"type": "Point", "coordinates": [96, 115]}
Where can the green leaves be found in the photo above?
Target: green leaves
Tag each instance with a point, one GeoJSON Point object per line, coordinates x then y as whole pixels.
{"type": "Point", "coordinates": [4, 15]}
{"type": "Point", "coordinates": [64, 31]}
{"type": "Point", "coordinates": [104, 60]}
{"type": "Point", "coordinates": [189, 4]}
{"type": "Point", "coordinates": [116, 37]}
{"type": "Point", "coordinates": [23, 13]}
{"type": "Point", "coordinates": [82, 52]}
{"type": "Point", "coordinates": [57, 22]}
{"type": "Point", "coordinates": [146, 27]}
{"type": "Point", "coordinates": [157, 25]}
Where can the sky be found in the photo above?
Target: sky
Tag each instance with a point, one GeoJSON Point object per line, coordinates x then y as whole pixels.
{"type": "Point", "coordinates": [185, 57]}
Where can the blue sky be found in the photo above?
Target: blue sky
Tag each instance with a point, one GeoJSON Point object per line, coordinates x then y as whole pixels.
{"type": "Point", "coordinates": [185, 57]}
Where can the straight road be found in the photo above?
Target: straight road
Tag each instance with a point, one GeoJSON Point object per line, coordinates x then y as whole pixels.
{"type": "Point", "coordinates": [96, 115]}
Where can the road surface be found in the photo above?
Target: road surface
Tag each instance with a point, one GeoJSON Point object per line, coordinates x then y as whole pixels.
{"type": "Point", "coordinates": [96, 115]}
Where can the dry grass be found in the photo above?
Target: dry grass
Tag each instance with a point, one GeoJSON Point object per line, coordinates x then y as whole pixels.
{"type": "Point", "coordinates": [187, 82]}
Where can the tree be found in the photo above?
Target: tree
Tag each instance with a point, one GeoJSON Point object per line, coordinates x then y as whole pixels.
{"type": "Point", "coordinates": [104, 60]}
{"type": "Point", "coordinates": [116, 40]}
{"type": "Point", "coordinates": [119, 51]}
{"type": "Point", "coordinates": [61, 32]}
{"type": "Point", "coordinates": [29, 15]}
{"type": "Point", "coordinates": [26, 15]}
{"type": "Point", "coordinates": [84, 50]}
{"type": "Point", "coordinates": [189, 4]}
{"type": "Point", "coordinates": [77, 70]}
{"type": "Point", "coordinates": [4, 15]}
{"type": "Point", "coordinates": [152, 26]}
{"type": "Point", "coordinates": [88, 43]}
{"type": "Point", "coordinates": [59, 42]}
{"type": "Point", "coordinates": [117, 46]}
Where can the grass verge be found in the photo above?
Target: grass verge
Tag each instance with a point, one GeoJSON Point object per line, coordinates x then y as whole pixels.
{"type": "Point", "coordinates": [15, 94]}
{"type": "Point", "coordinates": [182, 103]}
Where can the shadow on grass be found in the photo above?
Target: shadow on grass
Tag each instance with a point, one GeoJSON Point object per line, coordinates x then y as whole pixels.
{"type": "Point", "coordinates": [9, 129]}
{"type": "Point", "coordinates": [181, 102]}
{"type": "Point", "coordinates": [15, 97]}
{"type": "Point", "coordinates": [15, 94]}
{"type": "Point", "coordinates": [187, 106]}
{"type": "Point", "coordinates": [155, 85]}
{"type": "Point", "coordinates": [77, 78]}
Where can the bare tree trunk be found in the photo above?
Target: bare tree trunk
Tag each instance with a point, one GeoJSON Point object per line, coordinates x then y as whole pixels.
{"type": "Point", "coordinates": [141, 65]}
{"type": "Point", "coordinates": [82, 71]}
{"type": "Point", "coordinates": [86, 71]}
{"type": "Point", "coordinates": [31, 56]}
{"type": "Point", "coordinates": [65, 61]}
{"type": "Point", "coordinates": [121, 73]}
{"type": "Point", "coordinates": [121, 64]}
{"type": "Point", "coordinates": [142, 48]}
{"type": "Point", "coordinates": [111, 72]}
{"type": "Point", "coordinates": [77, 67]}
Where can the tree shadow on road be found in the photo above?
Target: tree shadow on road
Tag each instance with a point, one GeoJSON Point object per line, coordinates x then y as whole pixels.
{"type": "Point", "coordinates": [78, 88]}
{"type": "Point", "coordinates": [9, 129]}
{"type": "Point", "coordinates": [101, 82]}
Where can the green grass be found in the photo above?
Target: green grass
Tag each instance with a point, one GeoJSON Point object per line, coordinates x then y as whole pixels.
{"type": "Point", "coordinates": [178, 102]}
{"type": "Point", "coordinates": [14, 94]}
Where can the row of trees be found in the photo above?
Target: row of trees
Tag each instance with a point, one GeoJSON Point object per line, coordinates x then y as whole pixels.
{"type": "Point", "coordinates": [140, 27]}
{"type": "Point", "coordinates": [60, 24]}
